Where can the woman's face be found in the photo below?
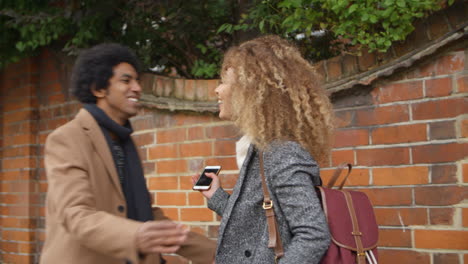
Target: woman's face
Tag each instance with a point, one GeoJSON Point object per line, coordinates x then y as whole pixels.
{"type": "Point", "coordinates": [224, 92]}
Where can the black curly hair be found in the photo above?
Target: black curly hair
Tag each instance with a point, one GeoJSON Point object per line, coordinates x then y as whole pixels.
{"type": "Point", "coordinates": [94, 68]}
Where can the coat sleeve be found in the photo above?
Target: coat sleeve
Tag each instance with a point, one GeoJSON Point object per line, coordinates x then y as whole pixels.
{"type": "Point", "coordinates": [197, 248]}
{"type": "Point", "coordinates": [219, 201]}
{"type": "Point", "coordinates": [71, 200]}
{"type": "Point", "coordinates": [289, 170]}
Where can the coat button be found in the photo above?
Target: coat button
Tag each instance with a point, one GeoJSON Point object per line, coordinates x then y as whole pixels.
{"type": "Point", "coordinates": [248, 253]}
{"type": "Point", "coordinates": [121, 208]}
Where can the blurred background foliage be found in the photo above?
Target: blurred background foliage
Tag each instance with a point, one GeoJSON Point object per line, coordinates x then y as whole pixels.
{"type": "Point", "coordinates": [188, 37]}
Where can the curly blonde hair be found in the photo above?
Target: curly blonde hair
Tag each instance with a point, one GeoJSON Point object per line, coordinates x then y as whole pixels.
{"type": "Point", "coordinates": [277, 96]}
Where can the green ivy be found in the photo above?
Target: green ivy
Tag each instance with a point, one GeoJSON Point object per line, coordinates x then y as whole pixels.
{"type": "Point", "coordinates": [374, 24]}
{"type": "Point", "coordinates": [188, 37]}
{"type": "Point", "coordinates": [176, 36]}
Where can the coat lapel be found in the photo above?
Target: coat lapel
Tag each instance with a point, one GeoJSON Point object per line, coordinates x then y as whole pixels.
{"type": "Point", "coordinates": [94, 132]}
{"type": "Point", "coordinates": [236, 192]}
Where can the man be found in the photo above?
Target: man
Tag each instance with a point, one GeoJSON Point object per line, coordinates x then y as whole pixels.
{"type": "Point", "coordinates": [98, 208]}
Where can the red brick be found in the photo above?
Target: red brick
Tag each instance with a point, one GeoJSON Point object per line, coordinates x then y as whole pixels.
{"type": "Point", "coordinates": [225, 163]}
{"type": "Point", "coordinates": [442, 130]}
{"type": "Point", "coordinates": [439, 108]}
{"type": "Point", "coordinates": [17, 259]}
{"type": "Point", "coordinates": [163, 152]}
{"type": "Point", "coordinates": [18, 151]}
{"type": "Point", "coordinates": [367, 60]}
{"type": "Point", "coordinates": [212, 84]}
{"type": "Point", "coordinates": [18, 163]}
{"type": "Point", "coordinates": [391, 256]}
{"type": "Point", "coordinates": [451, 63]}
{"type": "Point", "coordinates": [399, 134]}
{"type": "Point", "coordinates": [382, 156]}
{"type": "Point", "coordinates": [196, 133]}
{"type": "Point", "coordinates": [16, 235]}
{"type": "Point", "coordinates": [18, 186]}
{"type": "Point", "coordinates": [163, 183]}
{"type": "Point", "coordinates": [441, 216]}
{"type": "Point", "coordinates": [465, 172]}
{"type": "Point", "coordinates": [196, 149]}
{"type": "Point", "coordinates": [351, 138]}
{"type": "Point", "coordinates": [18, 116]}
{"type": "Point", "coordinates": [201, 92]}
{"type": "Point", "coordinates": [444, 258]}
{"type": "Point", "coordinates": [358, 177]}
{"type": "Point", "coordinates": [196, 214]}
{"type": "Point", "coordinates": [401, 216]}
{"type": "Point", "coordinates": [143, 139]}
{"type": "Point", "coordinates": [438, 87]}
{"type": "Point", "coordinates": [391, 196]}
{"type": "Point", "coordinates": [57, 99]}
{"type": "Point", "coordinates": [401, 175]}
{"type": "Point", "coordinates": [192, 119]}
{"type": "Point", "coordinates": [222, 131]}
{"type": "Point", "coordinates": [334, 68]}
{"type": "Point", "coordinates": [463, 124]}
{"type": "Point", "coordinates": [344, 118]}
{"type": "Point", "coordinates": [440, 195]}
{"type": "Point", "coordinates": [170, 136]}
{"type": "Point", "coordinates": [465, 217]}
{"type": "Point", "coordinates": [441, 239]}
{"type": "Point", "coordinates": [171, 198]}
{"type": "Point", "coordinates": [171, 166]}
{"type": "Point", "coordinates": [339, 156]}
{"type": "Point", "coordinates": [439, 152]}
{"type": "Point", "coordinates": [444, 65]}
{"type": "Point", "coordinates": [171, 213]}
{"type": "Point", "coordinates": [462, 84]}
{"type": "Point", "coordinates": [394, 238]}
{"type": "Point", "coordinates": [196, 199]}
{"type": "Point", "coordinates": [400, 92]}
{"type": "Point", "coordinates": [382, 115]}
{"type": "Point", "coordinates": [444, 174]}
{"type": "Point", "coordinates": [228, 181]}
{"type": "Point", "coordinates": [17, 222]}
{"type": "Point", "coordinates": [225, 148]}
{"type": "Point", "coordinates": [189, 89]}
{"type": "Point", "coordinates": [19, 104]}
{"type": "Point", "coordinates": [185, 183]}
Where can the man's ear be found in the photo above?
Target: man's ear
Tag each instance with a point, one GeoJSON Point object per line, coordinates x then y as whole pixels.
{"type": "Point", "coordinates": [101, 93]}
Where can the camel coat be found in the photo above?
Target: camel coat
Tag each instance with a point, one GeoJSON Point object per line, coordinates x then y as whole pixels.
{"type": "Point", "coordinates": [85, 206]}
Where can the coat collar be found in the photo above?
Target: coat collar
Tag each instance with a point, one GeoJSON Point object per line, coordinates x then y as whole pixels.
{"type": "Point", "coordinates": [94, 132]}
{"type": "Point", "coordinates": [236, 191]}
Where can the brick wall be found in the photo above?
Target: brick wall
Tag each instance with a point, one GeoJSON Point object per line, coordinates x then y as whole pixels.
{"type": "Point", "coordinates": [406, 134]}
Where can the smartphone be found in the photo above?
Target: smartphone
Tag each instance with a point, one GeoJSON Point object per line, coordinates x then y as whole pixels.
{"type": "Point", "coordinates": [204, 182]}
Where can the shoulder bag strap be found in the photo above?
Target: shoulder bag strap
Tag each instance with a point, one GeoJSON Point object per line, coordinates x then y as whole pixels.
{"type": "Point", "coordinates": [337, 174]}
{"type": "Point", "coordinates": [274, 239]}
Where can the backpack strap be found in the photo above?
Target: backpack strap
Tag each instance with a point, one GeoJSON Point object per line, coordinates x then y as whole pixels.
{"type": "Point", "coordinates": [357, 234]}
{"type": "Point", "coordinates": [274, 238]}
{"type": "Point", "coordinates": [337, 174]}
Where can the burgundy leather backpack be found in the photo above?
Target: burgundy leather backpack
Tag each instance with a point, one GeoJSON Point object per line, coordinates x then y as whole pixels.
{"type": "Point", "coordinates": [351, 220]}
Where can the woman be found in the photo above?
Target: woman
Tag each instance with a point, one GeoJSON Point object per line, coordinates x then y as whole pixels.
{"type": "Point", "coordinates": [272, 95]}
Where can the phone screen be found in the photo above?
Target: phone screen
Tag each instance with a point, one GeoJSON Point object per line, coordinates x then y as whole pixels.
{"type": "Point", "coordinates": [205, 181]}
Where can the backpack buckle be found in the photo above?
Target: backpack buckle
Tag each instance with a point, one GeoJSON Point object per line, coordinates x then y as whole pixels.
{"type": "Point", "coordinates": [267, 205]}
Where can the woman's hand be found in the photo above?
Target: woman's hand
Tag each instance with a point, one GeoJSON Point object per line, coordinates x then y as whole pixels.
{"type": "Point", "coordinates": [213, 187]}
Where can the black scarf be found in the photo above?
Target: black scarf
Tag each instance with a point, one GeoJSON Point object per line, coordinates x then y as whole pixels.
{"type": "Point", "coordinates": [133, 181]}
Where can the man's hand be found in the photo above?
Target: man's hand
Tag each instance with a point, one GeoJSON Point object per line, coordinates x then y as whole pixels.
{"type": "Point", "coordinates": [160, 237]}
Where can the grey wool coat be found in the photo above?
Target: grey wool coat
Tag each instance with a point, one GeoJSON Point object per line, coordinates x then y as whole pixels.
{"type": "Point", "coordinates": [291, 174]}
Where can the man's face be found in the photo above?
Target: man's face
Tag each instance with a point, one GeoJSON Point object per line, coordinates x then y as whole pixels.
{"type": "Point", "coordinates": [120, 100]}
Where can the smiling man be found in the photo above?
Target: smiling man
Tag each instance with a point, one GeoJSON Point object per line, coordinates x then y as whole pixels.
{"type": "Point", "coordinates": [98, 208]}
